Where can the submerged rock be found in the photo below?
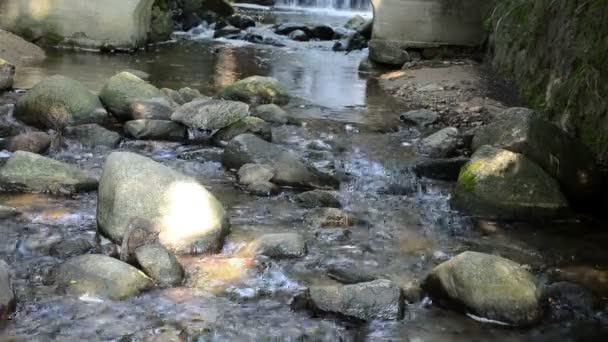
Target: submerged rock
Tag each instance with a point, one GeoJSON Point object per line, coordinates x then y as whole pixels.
{"type": "Point", "coordinates": [257, 89]}
{"type": "Point", "coordinates": [487, 286]}
{"type": "Point", "coordinates": [189, 217]}
{"type": "Point", "coordinates": [271, 113]}
{"type": "Point", "coordinates": [317, 199]}
{"type": "Point", "coordinates": [7, 295]}
{"type": "Point", "coordinates": [440, 144]}
{"type": "Point", "coordinates": [146, 129]}
{"type": "Point", "coordinates": [329, 217]}
{"type": "Point", "coordinates": [99, 276]}
{"type": "Point", "coordinates": [93, 135]}
{"type": "Point", "coordinates": [30, 172]}
{"type": "Point", "coordinates": [210, 114]}
{"type": "Point", "coordinates": [279, 246]}
{"type": "Point", "coordinates": [521, 130]}
{"type": "Point", "coordinates": [35, 142]}
{"type": "Point", "coordinates": [57, 102]}
{"type": "Point", "coordinates": [121, 90]}
{"type": "Point", "coordinates": [501, 184]}
{"type": "Point", "coordinates": [158, 108]}
{"type": "Point", "coordinates": [160, 264]}
{"type": "Point", "coordinates": [567, 301]}
{"type": "Point", "coordinates": [249, 124]}
{"type": "Point", "coordinates": [379, 299]}
{"type": "Point", "coordinates": [7, 73]}
{"type": "Point", "coordinates": [290, 169]}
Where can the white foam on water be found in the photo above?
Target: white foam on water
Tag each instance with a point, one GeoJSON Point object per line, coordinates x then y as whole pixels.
{"type": "Point", "coordinates": [487, 320]}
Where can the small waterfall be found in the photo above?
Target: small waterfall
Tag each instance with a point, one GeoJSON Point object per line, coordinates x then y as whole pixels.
{"type": "Point", "coordinates": [353, 5]}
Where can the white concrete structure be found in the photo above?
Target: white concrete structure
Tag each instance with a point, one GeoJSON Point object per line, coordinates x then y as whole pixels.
{"type": "Point", "coordinates": [122, 23]}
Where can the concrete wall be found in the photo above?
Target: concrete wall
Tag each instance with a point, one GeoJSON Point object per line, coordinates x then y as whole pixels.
{"type": "Point", "coordinates": [414, 23]}
{"type": "Point", "coordinates": [122, 23]}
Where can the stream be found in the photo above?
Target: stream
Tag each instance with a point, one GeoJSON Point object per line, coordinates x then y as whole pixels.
{"type": "Point", "coordinates": [404, 225]}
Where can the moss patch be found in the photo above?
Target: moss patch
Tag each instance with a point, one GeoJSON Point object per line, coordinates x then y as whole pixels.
{"type": "Point", "coordinates": [466, 178]}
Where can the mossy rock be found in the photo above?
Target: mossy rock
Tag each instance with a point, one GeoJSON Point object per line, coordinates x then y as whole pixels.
{"type": "Point", "coordinates": [249, 124]}
{"type": "Point", "coordinates": [124, 88]}
{"type": "Point", "coordinates": [57, 102]}
{"type": "Point", "coordinates": [257, 89]}
{"type": "Point", "coordinates": [501, 184]}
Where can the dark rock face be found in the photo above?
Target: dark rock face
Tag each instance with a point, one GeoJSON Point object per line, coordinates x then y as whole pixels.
{"type": "Point", "coordinates": [446, 169]}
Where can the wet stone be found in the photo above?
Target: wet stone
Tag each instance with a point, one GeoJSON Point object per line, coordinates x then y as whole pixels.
{"type": "Point", "coordinates": [93, 135]}
{"type": "Point", "coordinates": [255, 173]}
{"type": "Point", "coordinates": [263, 189]}
{"type": "Point", "coordinates": [317, 199]}
{"type": "Point", "coordinates": [280, 246]}
{"type": "Point", "coordinates": [329, 217]}
{"type": "Point", "coordinates": [159, 264]}
{"type": "Point", "coordinates": [8, 212]}
{"type": "Point", "coordinates": [440, 144]}
{"type": "Point", "coordinates": [158, 108]}
{"type": "Point", "coordinates": [204, 154]}
{"type": "Point", "coordinates": [140, 232]}
{"type": "Point", "coordinates": [35, 142]}
{"type": "Point", "coordinates": [567, 301]}
{"type": "Point", "coordinates": [420, 117]}
{"type": "Point", "coordinates": [271, 113]}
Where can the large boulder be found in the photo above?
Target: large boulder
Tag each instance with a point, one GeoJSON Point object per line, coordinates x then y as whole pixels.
{"type": "Point", "coordinates": [379, 299]}
{"type": "Point", "coordinates": [7, 296]}
{"type": "Point", "coordinates": [121, 90]}
{"type": "Point", "coordinates": [190, 218]}
{"type": "Point", "coordinates": [257, 89]}
{"type": "Point", "coordinates": [30, 172]}
{"type": "Point", "coordinates": [99, 276]}
{"type": "Point", "coordinates": [290, 169]}
{"type": "Point", "coordinates": [249, 124]}
{"type": "Point", "coordinates": [7, 72]}
{"type": "Point", "coordinates": [521, 130]}
{"type": "Point", "coordinates": [210, 114]}
{"type": "Point", "coordinates": [502, 184]}
{"type": "Point", "coordinates": [156, 130]}
{"type": "Point", "coordinates": [57, 102]}
{"type": "Point", "coordinates": [93, 135]}
{"type": "Point", "coordinates": [487, 286]}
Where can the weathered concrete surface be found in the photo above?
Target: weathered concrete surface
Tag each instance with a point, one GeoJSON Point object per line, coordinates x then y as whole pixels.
{"type": "Point", "coordinates": [120, 23]}
{"type": "Point", "coordinates": [420, 23]}
{"type": "Point", "coordinates": [17, 51]}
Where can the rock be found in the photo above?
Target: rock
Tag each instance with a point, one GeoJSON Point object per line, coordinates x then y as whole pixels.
{"type": "Point", "coordinates": [506, 185]}
{"type": "Point", "coordinates": [57, 102]}
{"type": "Point", "coordinates": [30, 172]}
{"type": "Point", "coordinates": [567, 301]}
{"type": "Point", "coordinates": [7, 295]}
{"type": "Point", "coordinates": [521, 130]}
{"type": "Point", "coordinates": [446, 169]}
{"type": "Point", "coordinates": [263, 189]}
{"type": "Point", "coordinates": [287, 28]}
{"type": "Point", "coordinates": [227, 31]}
{"type": "Point", "coordinates": [317, 199]}
{"type": "Point", "coordinates": [323, 32]}
{"type": "Point", "coordinates": [189, 95]}
{"type": "Point", "coordinates": [257, 89]}
{"type": "Point", "coordinates": [98, 275]}
{"type": "Point", "coordinates": [190, 218]}
{"type": "Point", "coordinates": [487, 286]}
{"type": "Point", "coordinates": [7, 73]}
{"type": "Point", "coordinates": [173, 96]}
{"type": "Point", "coordinates": [160, 264]}
{"type": "Point", "coordinates": [271, 113]}
{"type": "Point", "coordinates": [210, 115]}
{"type": "Point", "coordinates": [255, 173]}
{"type": "Point", "coordinates": [440, 144]}
{"type": "Point", "coordinates": [19, 52]}
{"type": "Point", "coordinates": [156, 130]}
{"type": "Point", "coordinates": [385, 52]}
{"type": "Point", "coordinates": [93, 135]}
{"type": "Point", "coordinates": [421, 117]}
{"type": "Point", "coordinates": [161, 25]}
{"type": "Point", "coordinates": [8, 212]}
{"type": "Point", "coordinates": [139, 73]}
{"type": "Point", "coordinates": [329, 217]}
{"type": "Point", "coordinates": [158, 108]}
{"type": "Point", "coordinates": [366, 29]}
{"type": "Point", "coordinates": [35, 142]}
{"type": "Point", "coordinates": [355, 41]}
{"type": "Point", "coordinates": [140, 232]}
{"type": "Point", "coordinates": [279, 246]}
{"type": "Point", "coordinates": [291, 170]}
{"type": "Point", "coordinates": [242, 22]}
{"type": "Point", "coordinates": [298, 35]}
{"type": "Point", "coordinates": [267, 3]}
{"type": "Point", "coordinates": [350, 274]}
{"type": "Point", "coordinates": [191, 20]}
{"type": "Point", "coordinates": [70, 248]}
{"type": "Point", "coordinates": [121, 90]}
{"type": "Point", "coordinates": [249, 124]}
{"type": "Point", "coordinates": [203, 155]}
{"type": "Point", "coordinates": [375, 300]}
{"type": "Point", "coordinates": [355, 23]}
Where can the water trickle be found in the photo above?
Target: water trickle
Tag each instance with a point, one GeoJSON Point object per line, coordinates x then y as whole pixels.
{"type": "Point", "coordinates": [357, 5]}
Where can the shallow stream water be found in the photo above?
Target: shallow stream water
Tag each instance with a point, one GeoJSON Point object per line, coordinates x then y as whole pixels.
{"type": "Point", "coordinates": [404, 225]}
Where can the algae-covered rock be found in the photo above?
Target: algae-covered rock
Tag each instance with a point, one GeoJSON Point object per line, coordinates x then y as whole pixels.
{"type": "Point", "coordinates": [257, 89]}
{"type": "Point", "coordinates": [57, 102]}
{"type": "Point", "coordinates": [99, 276]}
{"type": "Point", "coordinates": [210, 114]}
{"type": "Point", "coordinates": [122, 89]}
{"type": "Point", "coordinates": [30, 172]}
{"type": "Point", "coordinates": [502, 184]}
{"type": "Point", "coordinates": [249, 124]}
{"type": "Point", "coordinates": [487, 286]}
{"type": "Point", "coordinates": [190, 218]}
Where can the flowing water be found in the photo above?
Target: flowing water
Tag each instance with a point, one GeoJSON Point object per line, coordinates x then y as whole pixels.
{"type": "Point", "coordinates": [404, 225]}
